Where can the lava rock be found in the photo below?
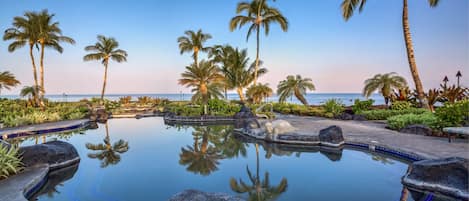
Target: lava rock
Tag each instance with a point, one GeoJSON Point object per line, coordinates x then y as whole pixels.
{"type": "Point", "coordinates": [331, 136]}
{"type": "Point", "coordinates": [417, 129]}
{"type": "Point", "coordinates": [99, 114]}
{"type": "Point", "coordinates": [447, 176]}
{"type": "Point", "coordinates": [54, 179]}
{"type": "Point", "coordinates": [359, 117]}
{"type": "Point", "coordinates": [345, 116]}
{"type": "Point", "coordinates": [195, 195]}
{"type": "Point", "coordinates": [244, 113]}
{"type": "Point", "coordinates": [56, 153]}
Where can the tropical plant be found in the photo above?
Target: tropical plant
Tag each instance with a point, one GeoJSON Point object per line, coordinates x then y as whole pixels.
{"type": "Point", "coordinates": [362, 105]}
{"type": "Point", "coordinates": [258, 14]}
{"type": "Point", "coordinates": [30, 92]}
{"type": "Point", "coordinates": [8, 80]}
{"type": "Point", "coordinates": [125, 100]}
{"type": "Point", "coordinates": [297, 86]}
{"type": "Point", "coordinates": [104, 50]}
{"type": "Point", "coordinates": [401, 121]}
{"type": "Point", "coordinates": [194, 42]}
{"type": "Point", "coordinates": [401, 105]}
{"type": "Point", "coordinates": [385, 114]}
{"type": "Point", "coordinates": [453, 114]}
{"type": "Point", "coordinates": [433, 96]}
{"type": "Point", "coordinates": [333, 106]}
{"type": "Point", "coordinates": [257, 93]}
{"type": "Point", "coordinates": [385, 83]}
{"type": "Point", "coordinates": [221, 54]}
{"type": "Point", "coordinates": [349, 6]}
{"type": "Point", "coordinates": [107, 153]}
{"type": "Point", "coordinates": [10, 161]}
{"type": "Point", "coordinates": [24, 32]}
{"type": "Point", "coordinates": [49, 35]}
{"type": "Point", "coordinates": [453, 93]}
{"type": "Point", "coordinates": [205, 80]}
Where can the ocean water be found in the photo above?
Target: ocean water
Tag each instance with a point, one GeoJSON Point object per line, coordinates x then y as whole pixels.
{"type": "Point", "coordinates": [312, 98]}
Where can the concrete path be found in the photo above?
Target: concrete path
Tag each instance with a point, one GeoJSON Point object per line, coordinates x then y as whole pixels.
{"type": "Point", "coordinates": [42, 127]}
{"type": "Point", "coordinates": [376, 133]}
{"type": "Point", "coordinates": [15, 187]}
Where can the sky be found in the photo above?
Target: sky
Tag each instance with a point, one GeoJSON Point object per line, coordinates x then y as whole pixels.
{"type": "Point", "coordinates": [337, 55]}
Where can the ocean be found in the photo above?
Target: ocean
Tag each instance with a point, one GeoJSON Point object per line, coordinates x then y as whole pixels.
{"type": "Point", "coordinates": [312, 98]}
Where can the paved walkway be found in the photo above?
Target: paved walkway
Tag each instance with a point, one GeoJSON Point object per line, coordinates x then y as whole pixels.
{"type": "Point", "coordinates": [15, 188]}
{"type": "Point", "coordinates": [376, 133]}
{"type": "Point", "coordinates": [44, 126]}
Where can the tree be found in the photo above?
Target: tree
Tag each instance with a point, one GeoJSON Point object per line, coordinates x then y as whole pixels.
{"type": "Point", "coordinates": [258, 14]}
{"type": "Point", "coordinates": [349, 6]}
{"type": "Point", "coordinates": [194, 42]}
{"type": "Point", "coordinates": [257, 93]}
{"type": "Point", "coordinates": [104, 50]}
{"type": "Point", "coordinates": [205, 80]}
{"type": "Point", "coordinates": [297, 86]}
{"type": "Point", "coordinates": [24, 32]}
{"type": "Point", "coordinates": [7, 80]}
{"type": "Point", "coordinates": [220, 54]}
{"type": "Point", "coordinates": [30, 92]}
{"type": "Point", "coordinates": [107, 153]}
{"type": "Point", "coordinates": [50, 36]}
{"type": "Point", "coordinates": [385, 83]}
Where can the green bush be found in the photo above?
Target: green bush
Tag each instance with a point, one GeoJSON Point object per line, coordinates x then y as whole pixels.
{"type": "Point", "coordinates": [385, 114]}
{"type": "Point", "coordinates": [359, 105]}
{"type": "Point", "coordinates": [10, 163]}
{"type": "Point", "coordinates": [401, 105]}
{"type": "Point", "coordinates": [333, 106]}
{"type": "Point", "coordinates": [400, 121]}
{"type": "Point", "coordinates": [452, 114]}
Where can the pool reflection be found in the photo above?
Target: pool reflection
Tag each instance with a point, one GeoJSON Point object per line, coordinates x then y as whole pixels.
{"type": "Point", "coordinates": [107, 153]}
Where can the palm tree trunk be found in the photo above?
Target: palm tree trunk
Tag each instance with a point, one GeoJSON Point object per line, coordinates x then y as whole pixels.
{"type": "Point", "coordinates": [240, 93]}
{"type": "Point", "coordinates": [105, 79]}
{"type": "Point", "coordinates": [36, 99]}
{"type": "Point", "coordinates": [411, 57]}
{"type": "Point", "coordinates": [300, 97]}
{"type": "Point", "coordinates": [41, 71]}
{"type": "Point", "coordinates": [196, 57]}
{"type": "Point", "coordinates": [257, 53]}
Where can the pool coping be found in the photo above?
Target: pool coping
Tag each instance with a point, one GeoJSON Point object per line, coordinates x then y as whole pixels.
{"type": "Point", "coordinates": [39, 129]}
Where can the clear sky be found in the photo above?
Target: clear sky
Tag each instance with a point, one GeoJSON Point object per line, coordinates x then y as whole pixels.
{"type": "Point", "coordinates": [319, 44]}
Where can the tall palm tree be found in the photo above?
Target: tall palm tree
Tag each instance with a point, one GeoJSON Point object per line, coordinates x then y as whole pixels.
{"type": "Point", "coordinates": [238, 73]}
{"type": "Point", "coordinates": [107, 153]}
{"type": "Point", "coordinates": [297, 86]}
{"type": "Point", "coordinates": [220, 54]}
{"type": "Point", "coordinates": [194, 42]}
{"type": "Point", "coordinates": [259, 190]}
{"type": "Point", "coordinates": [104, 50]}
{"type": "Point", "coordinates": [385, 83]}
{"type": "Point", "coordinates": [258, 14]}
{"type": "Point", "coordinates": [7, 80]}
{"type": "Point", "coordinates": [50, 36]}
{"type": "Point", "coordinates": [24, 32]}
{"type": "Point", "coordinates": [349, 6]}
{"type": "Point", "coordinates": [201, 158]}
{"type": "Point", "coordinates": [259, 92]}
{"type": "Point", "coordinates": [205, 80]}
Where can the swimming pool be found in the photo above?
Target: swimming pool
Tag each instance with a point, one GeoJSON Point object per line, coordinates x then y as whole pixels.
{"type": "Point", "coordinates": [129, 159]}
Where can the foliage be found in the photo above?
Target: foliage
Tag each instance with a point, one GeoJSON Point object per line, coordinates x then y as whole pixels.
{"type": "Point", "coordinates": [384, 83]}
{"type": "Point", "coordinates": [385, 114]}
{"type": "Point", "coordinates": [193, 42]}
{"type": "Point", "coordinates": [219, 107]}
{"type": "Point", "coordinates": [359, 105]}
{"type": "Point", "coordinates": [10, 161]}
{"type": "Point", "coordinates": [257, 93]}
{"type": "Point", "coordinates": [453, 114]}
{"type": "Point", "coordinates": [8, 80]}
{"type": "Point", "coordinates": [401, 105]}
{"type": "Point", "coordinates": [143, 100]}
{"type": "Point", "coordinates": [294, 85]}
{"type": "Point", "coordinates": [302, 110]}
{"type": "Point", "coordinates": [205, 80]}
{"type": "Point", "coordinates": [125, 100]}
{"type": "Point", "coordinates": [400, 121]}
{"type": "Point", "coordinates": [333, 106]}
{"type": "Point", "coordinates": [433, 96]}
{"type": "Point", "coordinates": [453, 93]}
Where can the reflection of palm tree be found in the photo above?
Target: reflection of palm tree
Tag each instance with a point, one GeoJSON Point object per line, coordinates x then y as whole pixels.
{"type": "Point", "coordinates": [229, 145]}
{"type": "Point", "coordinates": [107, 153]}
{"type": "Point", "coordinates": [259, 190]}
{"type": "Point", "coordinates": [201, 158]}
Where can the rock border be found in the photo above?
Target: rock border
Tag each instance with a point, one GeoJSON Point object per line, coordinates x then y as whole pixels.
{"type": "Point", "coordinates": [25, 132]}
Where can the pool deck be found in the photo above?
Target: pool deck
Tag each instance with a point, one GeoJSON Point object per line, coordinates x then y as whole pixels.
{"type": "Point", "coordinates": [43, 128]}
{"type": "Point", "coordinates": [375, 133]}
{"type": "Point", "coordinates": [19, 186]}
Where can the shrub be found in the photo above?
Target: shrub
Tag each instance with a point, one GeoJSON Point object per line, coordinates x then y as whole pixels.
{"type": "Point", "coordinates": [385, 114]}
{"type": "Point", "coordinates": [359, 106]}
{"type": "Point", "coordinates": [453, 114]}
{"type": "Point", "coordinates": [143, 100]}
{"type": "Point", "coordinates": [401, 105]}
{"type": "Point", "coordinates": [10, 163]}
{"type": "Point", "coordinates": [125, 100]}
{"type": "Point", "coordinates": [334, 107]}
{"type": "Point", "coordinates": [400, 121]}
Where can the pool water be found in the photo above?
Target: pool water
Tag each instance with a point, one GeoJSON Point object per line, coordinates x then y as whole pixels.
{"type": "Point", "coordinates": [133, 160]}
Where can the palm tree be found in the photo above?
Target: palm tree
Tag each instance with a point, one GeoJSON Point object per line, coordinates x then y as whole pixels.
{"type": "Point", "coordinates": [31, 93]}
{"type": "Point", "coordinates": [297, 86]}
{"type": "Point", "coordinates": [103, 50]}
{"type": "Point", "coordinates": [8, 80]}
{"type": "Point", "coordinates": [385, 83]}
{"type": "Point", "coordinates": [49, 35]}
{"type": "Point", "coordinates": [259, 92]}
{"type": "Point", "coordinates": [205, 80]}
{"type": "Point", "coordinates": [24, 32]}
{"type": "Point", "coordinates": [458, 75]}
{"type": "Point", "coordinates": [238, 73]}
{"type": "Point", "coordinates": [108, 154]}
{"type": "Point", "coordinates": [348, 7]}
{"type": "Point", "coordinates": [201, 158]}
{"type": "Point", "coordinates": [194, 42]}
{"type": "Point", "coordinates": [258, 14]}
{"type": "Point", "coordinates": [260, 190]}
{"type": "Point", "coordinates": [220, 54]}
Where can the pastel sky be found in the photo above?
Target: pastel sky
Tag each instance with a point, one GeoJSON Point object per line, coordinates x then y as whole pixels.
{"type": "Point", "coordinates": [319, 44]}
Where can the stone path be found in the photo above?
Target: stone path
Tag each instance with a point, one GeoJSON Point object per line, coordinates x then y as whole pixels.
{"type": "Point", "coordinates": [44, 126]}
{"type": "Point", "coordinates": [376, 133]}
{"type": "Point", "coordinates": [15, 188]}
